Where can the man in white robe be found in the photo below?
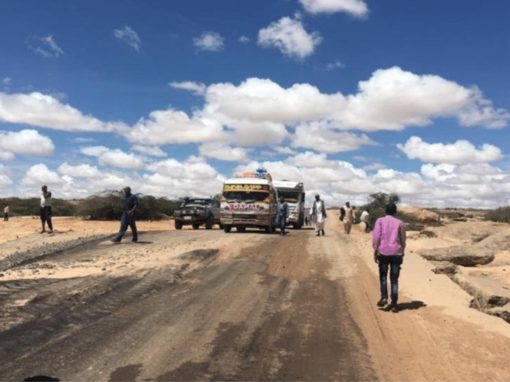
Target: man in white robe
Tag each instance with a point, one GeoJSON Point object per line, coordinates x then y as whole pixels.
{"type": "Point", "coordinates": [318, 214]}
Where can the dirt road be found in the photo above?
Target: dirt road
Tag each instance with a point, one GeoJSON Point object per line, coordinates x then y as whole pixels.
{"type": "Point", "coordinates": [195, 305]}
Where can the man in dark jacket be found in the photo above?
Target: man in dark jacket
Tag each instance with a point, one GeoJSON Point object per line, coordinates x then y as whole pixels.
{"type": "Point", "coordinates": [283, 209]}
{"type": "Point", "coordinates": [129, 204]}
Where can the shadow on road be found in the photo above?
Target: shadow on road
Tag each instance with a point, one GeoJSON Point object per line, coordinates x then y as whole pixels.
{"type": "Point", "coordinates": [410, 305]}
{"type": "Point", "coordinates": [41, 378]}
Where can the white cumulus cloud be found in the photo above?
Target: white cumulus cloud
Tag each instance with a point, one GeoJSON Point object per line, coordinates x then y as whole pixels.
{"type": "Point", "coordinates": [321, 138]}
{"type": "Point", "coordinates": [42, 110]}
{"type": "Point", "coordinates": [113, 157]}
{"type": "Point", "coordinates": [460, 152]}
{"type": "Point", "coordinates": [79, 171]}
{"type": "Point", "coordinates": [25, 142]}
{"type": "Point", "coordinates": [173, 126]}
{"type": "Point", "coordinates": [356, 8]}
{"type": "Point", "coordinates": [128, 36]}
{"type": "Point", "coordinates": [290, 37]}
{"type": "Point", "coordinates": [209, 41]}
{"type": "Point", "coordinates": [94, 151]}
{"type": "Point", "coordinates": [152, 151]}
{"type": "Point", "coordinates": [120, 159]}
{"type": "Point", "coordinates": [5, 179]}
{"type": "Point", "coordinates": [223, 152]}
{"type": "Point", "coordinates": [39, 174]}
{"type": "Point", "coordinates": [393, 99]}
{"type": "Point", "coordinates": [262, 100]}
{"type": "Point", "coordinates": [194, 87]}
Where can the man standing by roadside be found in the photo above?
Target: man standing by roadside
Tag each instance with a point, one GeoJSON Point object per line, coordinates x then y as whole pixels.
{"type": "Point", "coordinates": [365, 218]}
{"type": "Point", "coordinates": [389, 243]}
{"type": "Point", "coordinates": [318, 213]}
{"type": "Point", "coordinates": [6, 213]}
{"type": "Point", "coordinates": [45, 210]}
{"type": "Point", "coordinates": [349, 217]}
{"type": "Point", "coordinates": [129, 204]}
{"type": "Point", "coordinates": [283, 209]}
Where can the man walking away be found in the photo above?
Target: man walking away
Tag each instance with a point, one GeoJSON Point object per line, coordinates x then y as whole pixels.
{"type": "Point", "coordinates": [6, 213]}
{"type": "Point", "coordinates": [365, 218]}
{"type": "Point", "coordinates": [45, 210]}
{"type": "Point", "coordinates": [389, 243]}
{"type": "Point", "coordinates": [349, 218]}
{"type": "Point", "coordinates": [129, 204]}
{"type": "Point", "coordinates": [283, 209]}
{"type": "Point", "coordinates": [318, 213]}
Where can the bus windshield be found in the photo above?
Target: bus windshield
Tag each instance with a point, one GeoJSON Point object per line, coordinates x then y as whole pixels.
{"type": "Point", "coordinates": [247, 193]}
{"type": "Point", "coordinates": [243, 196]}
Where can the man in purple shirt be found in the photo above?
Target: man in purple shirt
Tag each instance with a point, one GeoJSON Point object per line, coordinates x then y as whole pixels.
{"type": "Point", "coordinates": [389, 243]}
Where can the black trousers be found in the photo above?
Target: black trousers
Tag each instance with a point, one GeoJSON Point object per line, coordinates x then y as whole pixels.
{"type": "Point", "coordinates": [45, 213]}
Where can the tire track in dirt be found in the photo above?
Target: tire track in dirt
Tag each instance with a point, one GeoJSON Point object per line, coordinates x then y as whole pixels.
{"type": "Point", "coordinates": [266, 312]}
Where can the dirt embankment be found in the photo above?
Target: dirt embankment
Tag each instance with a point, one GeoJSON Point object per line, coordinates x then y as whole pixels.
{"type": "Point", "coordinates": [475, 255]}
{"type": "Point", "coordinates": [20, 227]}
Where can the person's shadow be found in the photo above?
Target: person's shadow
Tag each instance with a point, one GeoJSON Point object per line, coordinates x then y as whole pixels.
{"type": "Point", "coordinates": [411, 305]}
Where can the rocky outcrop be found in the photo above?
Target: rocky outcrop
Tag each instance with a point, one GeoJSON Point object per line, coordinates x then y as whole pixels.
{"type": "Point", "coordinates": [445, 268]}
{"type": "Point", "coordinates": [489, 296]}
{"type": "Point", "coordinates": [497, 242]}
{"type": "Point", "coordinates": [482, 252]}
{"type": "Point", "coordinates": [459, 255]}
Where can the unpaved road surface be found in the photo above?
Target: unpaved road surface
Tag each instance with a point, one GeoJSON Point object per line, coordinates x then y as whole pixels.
{"type": "Point", "coordinates": [205, 305]}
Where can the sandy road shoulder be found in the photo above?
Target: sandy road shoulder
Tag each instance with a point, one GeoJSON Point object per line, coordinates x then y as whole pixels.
{"type": "Point", "coordinates": [436, 336]}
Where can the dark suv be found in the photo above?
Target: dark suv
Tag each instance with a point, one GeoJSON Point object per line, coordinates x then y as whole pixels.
{"type": "Point", "coordinates": [197, 211]}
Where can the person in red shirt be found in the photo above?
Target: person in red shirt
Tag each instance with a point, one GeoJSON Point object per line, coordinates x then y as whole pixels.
{"type": "Point", "coordinates": [389, 243]}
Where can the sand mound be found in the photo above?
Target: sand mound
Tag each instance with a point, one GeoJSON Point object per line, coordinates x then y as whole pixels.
{"type": "Point", "coordinates": [424, 216]}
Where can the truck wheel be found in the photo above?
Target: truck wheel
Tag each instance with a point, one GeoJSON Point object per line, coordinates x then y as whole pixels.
{"type": "Point", "coordinates": [241, 229]}
{"type": "Point", "coordinates": [195, 226]}
{"type": "Point", "coordinates": [227, 228]}
{"type": "Point", "coordinates": [296, 226]}
{"type": "Point", "coordinates": [270, 229]}
{"type": "Point", "coordinates": [178, 224]}
{"type": "Point", "coordinates": [209, 222]}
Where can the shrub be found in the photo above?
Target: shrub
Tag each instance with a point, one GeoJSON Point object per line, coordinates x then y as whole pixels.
{"type": "Point", "coordinates": [109, 207]}
{"type": "Point", "coordinates": [501, 214]}
{"type": "Point", "coordinates": [30, 206]}
{"type": "Point", "coordinates": [377, 205]}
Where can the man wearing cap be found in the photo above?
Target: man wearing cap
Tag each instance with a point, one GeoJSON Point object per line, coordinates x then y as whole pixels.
{"type": "Point", "coordinates": [129, 204]}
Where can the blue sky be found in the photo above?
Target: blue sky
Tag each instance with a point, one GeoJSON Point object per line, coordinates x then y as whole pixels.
{"type": "Point", "coordinates": [350, 96]}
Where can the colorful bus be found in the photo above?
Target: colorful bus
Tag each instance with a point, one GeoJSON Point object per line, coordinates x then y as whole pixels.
{"type": "Point", "coordinates": [249, 201]}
